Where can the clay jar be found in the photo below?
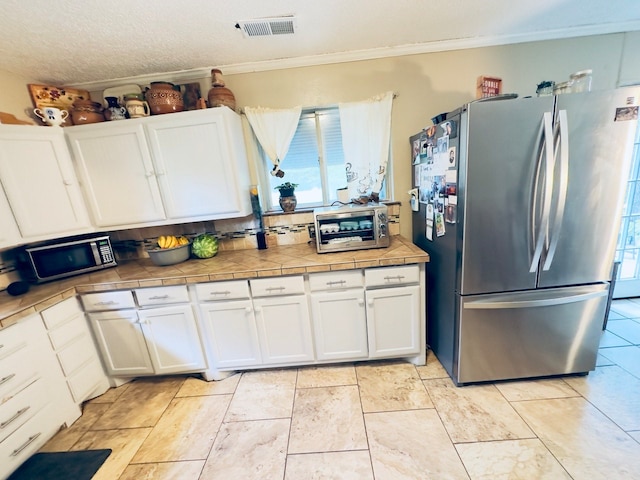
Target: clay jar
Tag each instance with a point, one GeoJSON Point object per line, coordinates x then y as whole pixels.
{"type": "Point", "coordinates": [219, 95]}
{"type": "Point", "coordinates": [164, 97]}
{"type": "Point", "coordinates": [86, 111]}
{"type": "Point", "coordinates": [135, 105]}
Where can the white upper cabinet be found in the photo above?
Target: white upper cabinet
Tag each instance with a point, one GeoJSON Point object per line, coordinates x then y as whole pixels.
{"type": "Point", "coordinates": [185, 166]}
{"type": "Point", "coordinates": [9, 233]}
{"type": "Point", "coordinates": [40, 184]}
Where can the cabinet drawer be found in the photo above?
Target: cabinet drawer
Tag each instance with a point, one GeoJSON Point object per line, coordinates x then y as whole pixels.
{"type": "Point", "coordinates": [335, 280]}
{"type": "Point", "coordinates": [59, 313]}
{"type": "Point", "coordinates": [66, 332]}
{"type": "Point", "coordinates": [27, 440]}
{"type": "Point", "coordinates": [385, 276]}
{"type": "Point", "coordinates": [162, 295]}
{"type": "Point", "coordinates": [94, 302]}
{"type": "Point", "coordinates": [11, 339]}
{"type": "Point", "coordinates": [16, 370]}
{"type": "Point", "coordinates": [21, 407]}
{"type": "Point", "coordinates": [210, 292]}
{"type": "Point", "coordinates": [269, 287]}
{"type": "Point", "coordinates": [76, 354]}
{"type": "Point", "coordinates": [85, 380]}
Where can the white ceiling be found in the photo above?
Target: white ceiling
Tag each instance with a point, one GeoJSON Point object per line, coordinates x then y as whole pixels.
{"type": "Point", "coordinates": [71, 42]}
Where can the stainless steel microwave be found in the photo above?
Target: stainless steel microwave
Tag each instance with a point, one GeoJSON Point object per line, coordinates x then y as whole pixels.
{"type": "Point", "coordinates": [351, 227]}
{"type": "Point", "coordinates": [60, 260]}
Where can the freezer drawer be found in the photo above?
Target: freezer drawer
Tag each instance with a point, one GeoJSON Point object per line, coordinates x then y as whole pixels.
{"type": "Point", "coordinates": [530, 334]}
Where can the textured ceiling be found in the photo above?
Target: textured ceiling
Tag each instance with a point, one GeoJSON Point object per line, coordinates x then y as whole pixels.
{"type": "Point", "coordinates": [77, 41]}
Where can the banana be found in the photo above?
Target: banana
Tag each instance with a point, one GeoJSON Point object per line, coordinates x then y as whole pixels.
{"type": "Point", "coordinates": [162, 241]}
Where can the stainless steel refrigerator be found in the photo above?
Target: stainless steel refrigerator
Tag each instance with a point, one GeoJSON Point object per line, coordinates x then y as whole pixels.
{"type": "Point", "coordinates": [518, 204]}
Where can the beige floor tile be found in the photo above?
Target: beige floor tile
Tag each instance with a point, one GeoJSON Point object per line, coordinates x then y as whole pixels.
{"type": "Point", "coordinates": [614, 392]}
{"type": "Point", "coordinates": [535, 389]}
{"type": "Point", "coordinates": [326, 376]}
{"type": "Point", "coordinates": [110, 395]}
{"type": "Point", "coordinates": [332, 465]}
{"type": "Point", "coordinates": [626, 357]}
{"type": "Point", "coordinates": [585, 442]}
{"type": "Point", "coordinates": [391, 386]}
{"type": "Point", "coordinates": [476, 412]}
{"type": "Point", "coordinates": [602, 361]}
{"type": "Point", "coordinates": [510, 460]}
{"type": "Point", "coordinates": [141, 404]}
{"type": "Point", "coordinates": [327, 419]}
{"type": "Point", "coordinates": [194, 387]}
{"type": "Point", "coordinates": [164, 471]}
{"type": "Point", "coordinates": [185, 431]}
{"type": "Point", "coordinates": [263, 394]}
{"type": "Point", "coordinates": [635, 435]}
{"type": "Point", "coordinates": [67, 437]}
{"type": "Point", "coordinates": [248, 451]}
{"type": "Point", "coordinates": [124, 444]}
{"type": "Point", "coordinates": [433, 368]}
{"type": "Point", "coordinates": [411, 445]}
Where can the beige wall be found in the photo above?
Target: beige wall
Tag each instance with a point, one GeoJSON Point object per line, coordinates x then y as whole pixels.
{"type": "Point", "coordinates": [14, 96]}
{"type": "Point", "coordinates": [425, 84]}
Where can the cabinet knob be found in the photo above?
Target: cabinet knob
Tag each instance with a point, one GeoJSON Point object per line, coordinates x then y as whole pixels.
{"type": "Point", "coordinates": [247, 309]}
{"type": "Point", "coordinates": [370, 302]}
{"type": "Point", "coordinates": [360, 302]}
{"type": "Point", "coordinates": [257, 309]}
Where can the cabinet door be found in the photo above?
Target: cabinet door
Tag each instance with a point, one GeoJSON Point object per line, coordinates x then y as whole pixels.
{"type": "Point", "coordinates": [232, 333]}
{"type": "Point", "coordinates": [173, 339]}
{"type": "Point", "coordinates": [284, 329]}
{"type": "Point", "coordinates": [393, 321]}
{"type": "Point", "coordinates": [9, 233]}
{"type": "Point", "coordinates": [117, 175]}
{"type": "Point", "coordinates": [340, 325]}
{"type": "Point", "coordinates": [199, 164]}
{"type": "Point", "coordinates": [38, 178]}
{"type": "Point", "coordinates": [121, 342]}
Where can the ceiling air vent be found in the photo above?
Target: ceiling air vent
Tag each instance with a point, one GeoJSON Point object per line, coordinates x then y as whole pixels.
{"type": "Point", "coordinates": [266, 27]}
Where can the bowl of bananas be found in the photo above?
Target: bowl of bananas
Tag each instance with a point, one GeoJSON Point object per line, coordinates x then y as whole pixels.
{"type": "Point", "coordinates": [170, 250]}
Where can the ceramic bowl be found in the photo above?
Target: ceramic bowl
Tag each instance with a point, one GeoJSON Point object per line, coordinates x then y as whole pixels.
{"type": "Point", "coordinates": [170, 256]}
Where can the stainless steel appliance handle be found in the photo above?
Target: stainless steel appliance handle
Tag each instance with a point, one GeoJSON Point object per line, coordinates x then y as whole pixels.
{"type": "Point", "coordinates": [96, 255]}
{"type": "Point", "coordinates": [480, 305]}
{"type": "Point", "coordinates": [540, 235]}
{"type": "Point", "coordinates": [563, 143]}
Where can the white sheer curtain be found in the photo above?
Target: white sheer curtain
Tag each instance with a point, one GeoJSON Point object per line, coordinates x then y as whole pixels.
{"type": "Point", "coordinates": [366, 133]}
{"type": "Point", "coordinates": [274, 129]}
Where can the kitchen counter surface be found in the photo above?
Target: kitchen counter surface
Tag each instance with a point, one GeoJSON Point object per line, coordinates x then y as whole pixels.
{"type": "Point", "coordinates": [227, 265]}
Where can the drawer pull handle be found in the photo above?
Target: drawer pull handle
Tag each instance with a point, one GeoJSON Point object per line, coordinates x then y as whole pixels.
{"type": "Point", "coordinates": [29, 441]}
{"type": "Point", "coordinates": [7, 378]}
{"type": "Point", "coordinates": [277, 289]}
{"type": "Point", "coordinates": [17, 415]}
{"type": "Point", "coordinates": [339, 282]}
{"type": "Point", "coordinates": [399, 278]}
{"type": "Point", "coordinates": [110, 302]}
{"type": "Point", "coordinates": [159, 297]}
{"type": "Point", "coordinates": [225, 292]}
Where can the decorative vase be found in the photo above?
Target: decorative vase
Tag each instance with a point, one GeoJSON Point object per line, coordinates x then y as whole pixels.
{"type": "Point", "coordinates": [164, 97]}
{"type": "Point", "coordinates": [219, 95]}
{"type": "Point", "coordinates": [288, 203]}
{"type": "Point", "coordinates": [86, 111]}
{"type": "Point", "coordinates": [114, 110]}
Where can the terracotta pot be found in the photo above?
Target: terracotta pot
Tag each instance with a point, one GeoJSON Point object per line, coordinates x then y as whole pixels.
{"type": "Point", "coordinates": [164, 97]}
{"type": "Point", "coordinates": [222, 97]}
{"type": "Point", "coordinates": [86, 111]}
{"type": "Point", "coordinates": [288, 204]}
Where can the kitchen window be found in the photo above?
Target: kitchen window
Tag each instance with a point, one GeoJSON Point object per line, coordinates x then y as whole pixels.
{"type": "Point", "coordinates": [315, 161]}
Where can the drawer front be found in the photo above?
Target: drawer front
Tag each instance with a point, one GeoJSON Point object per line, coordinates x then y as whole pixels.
{"type": "Point", "coordinates": [386, 276]}
{"type": "Point", "coordinates": [27, 440]}
{"type": "Point", "coordinates": [59, 313]}
{"type": "Point", "coordinates": [68, 331]}
{"type": "Point", "coordinates": [76, 354]}
{"type": "Point", "coordinates": [94, 302]}
{"type": "Point", "coordinates": [85, 380]}
{"type": "Point", "coordinates": [335, 280]}
{"type": "Point", "coordinates": [162, 295]}
{"type": "Point", "coordinates": [210, 292]}
{"type": "Point", "coordinates": [269, 287]}
{"type": "Point", "coordinates": [21, 407]}
{"type": "Point", "coordinates": [11, 339]}
{"type": "Point", "coordinates": [16, 370]}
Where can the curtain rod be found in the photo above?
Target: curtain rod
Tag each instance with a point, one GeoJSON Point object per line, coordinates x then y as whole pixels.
{"type": "Point", "coordinates": [313, 108]}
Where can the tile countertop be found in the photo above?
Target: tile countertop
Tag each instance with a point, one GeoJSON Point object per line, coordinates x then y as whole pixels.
{"type": "Point", "coordinates": [227, 265]}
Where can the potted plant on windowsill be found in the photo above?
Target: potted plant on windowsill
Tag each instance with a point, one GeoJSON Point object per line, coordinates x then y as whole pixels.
{"type": "Point", "coordinates": [288, 200]}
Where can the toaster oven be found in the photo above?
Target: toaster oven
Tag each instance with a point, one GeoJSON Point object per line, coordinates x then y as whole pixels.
{"type": "Point", "coordinates": [351, 227]}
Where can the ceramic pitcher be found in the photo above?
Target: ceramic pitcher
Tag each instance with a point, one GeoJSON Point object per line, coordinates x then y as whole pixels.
{"type": "Point", "coordinates": [52, 116]}
{"type": "Point", "coordinates": [136, 107]}
{"type": "Point", "coordinates": [114, 110]}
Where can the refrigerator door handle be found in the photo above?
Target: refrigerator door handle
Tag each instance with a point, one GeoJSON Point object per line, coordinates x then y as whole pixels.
{"type": "Point", "coordinates": [563, 144]}
{"type": "Point", "coordinates": [546, 156]}
{"type": "Point", "coordinates": [535, 303]}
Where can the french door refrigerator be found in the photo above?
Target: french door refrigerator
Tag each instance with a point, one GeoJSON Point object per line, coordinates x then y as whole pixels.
{"type": "Point", "coordinates": [522, 198]}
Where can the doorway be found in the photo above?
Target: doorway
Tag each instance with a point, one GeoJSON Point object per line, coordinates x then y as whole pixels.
{"type": "Point", "coordinates": [628, 247]}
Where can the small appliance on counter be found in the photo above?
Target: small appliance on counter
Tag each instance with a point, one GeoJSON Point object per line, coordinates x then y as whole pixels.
{"type": "Point", "coordinates": [351, 227]}
{"type": "Point", "coordinates": [65, 259]}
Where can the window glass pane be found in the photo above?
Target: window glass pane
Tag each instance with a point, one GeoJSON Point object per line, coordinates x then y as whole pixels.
{"type": "Point", "coordinates": [301, 165]}
{"type": "Point", "coordinates": [333, 155]}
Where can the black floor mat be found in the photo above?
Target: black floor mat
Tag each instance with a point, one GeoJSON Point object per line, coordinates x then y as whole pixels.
{"type": "Point", "coordinates": [77, 465]}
